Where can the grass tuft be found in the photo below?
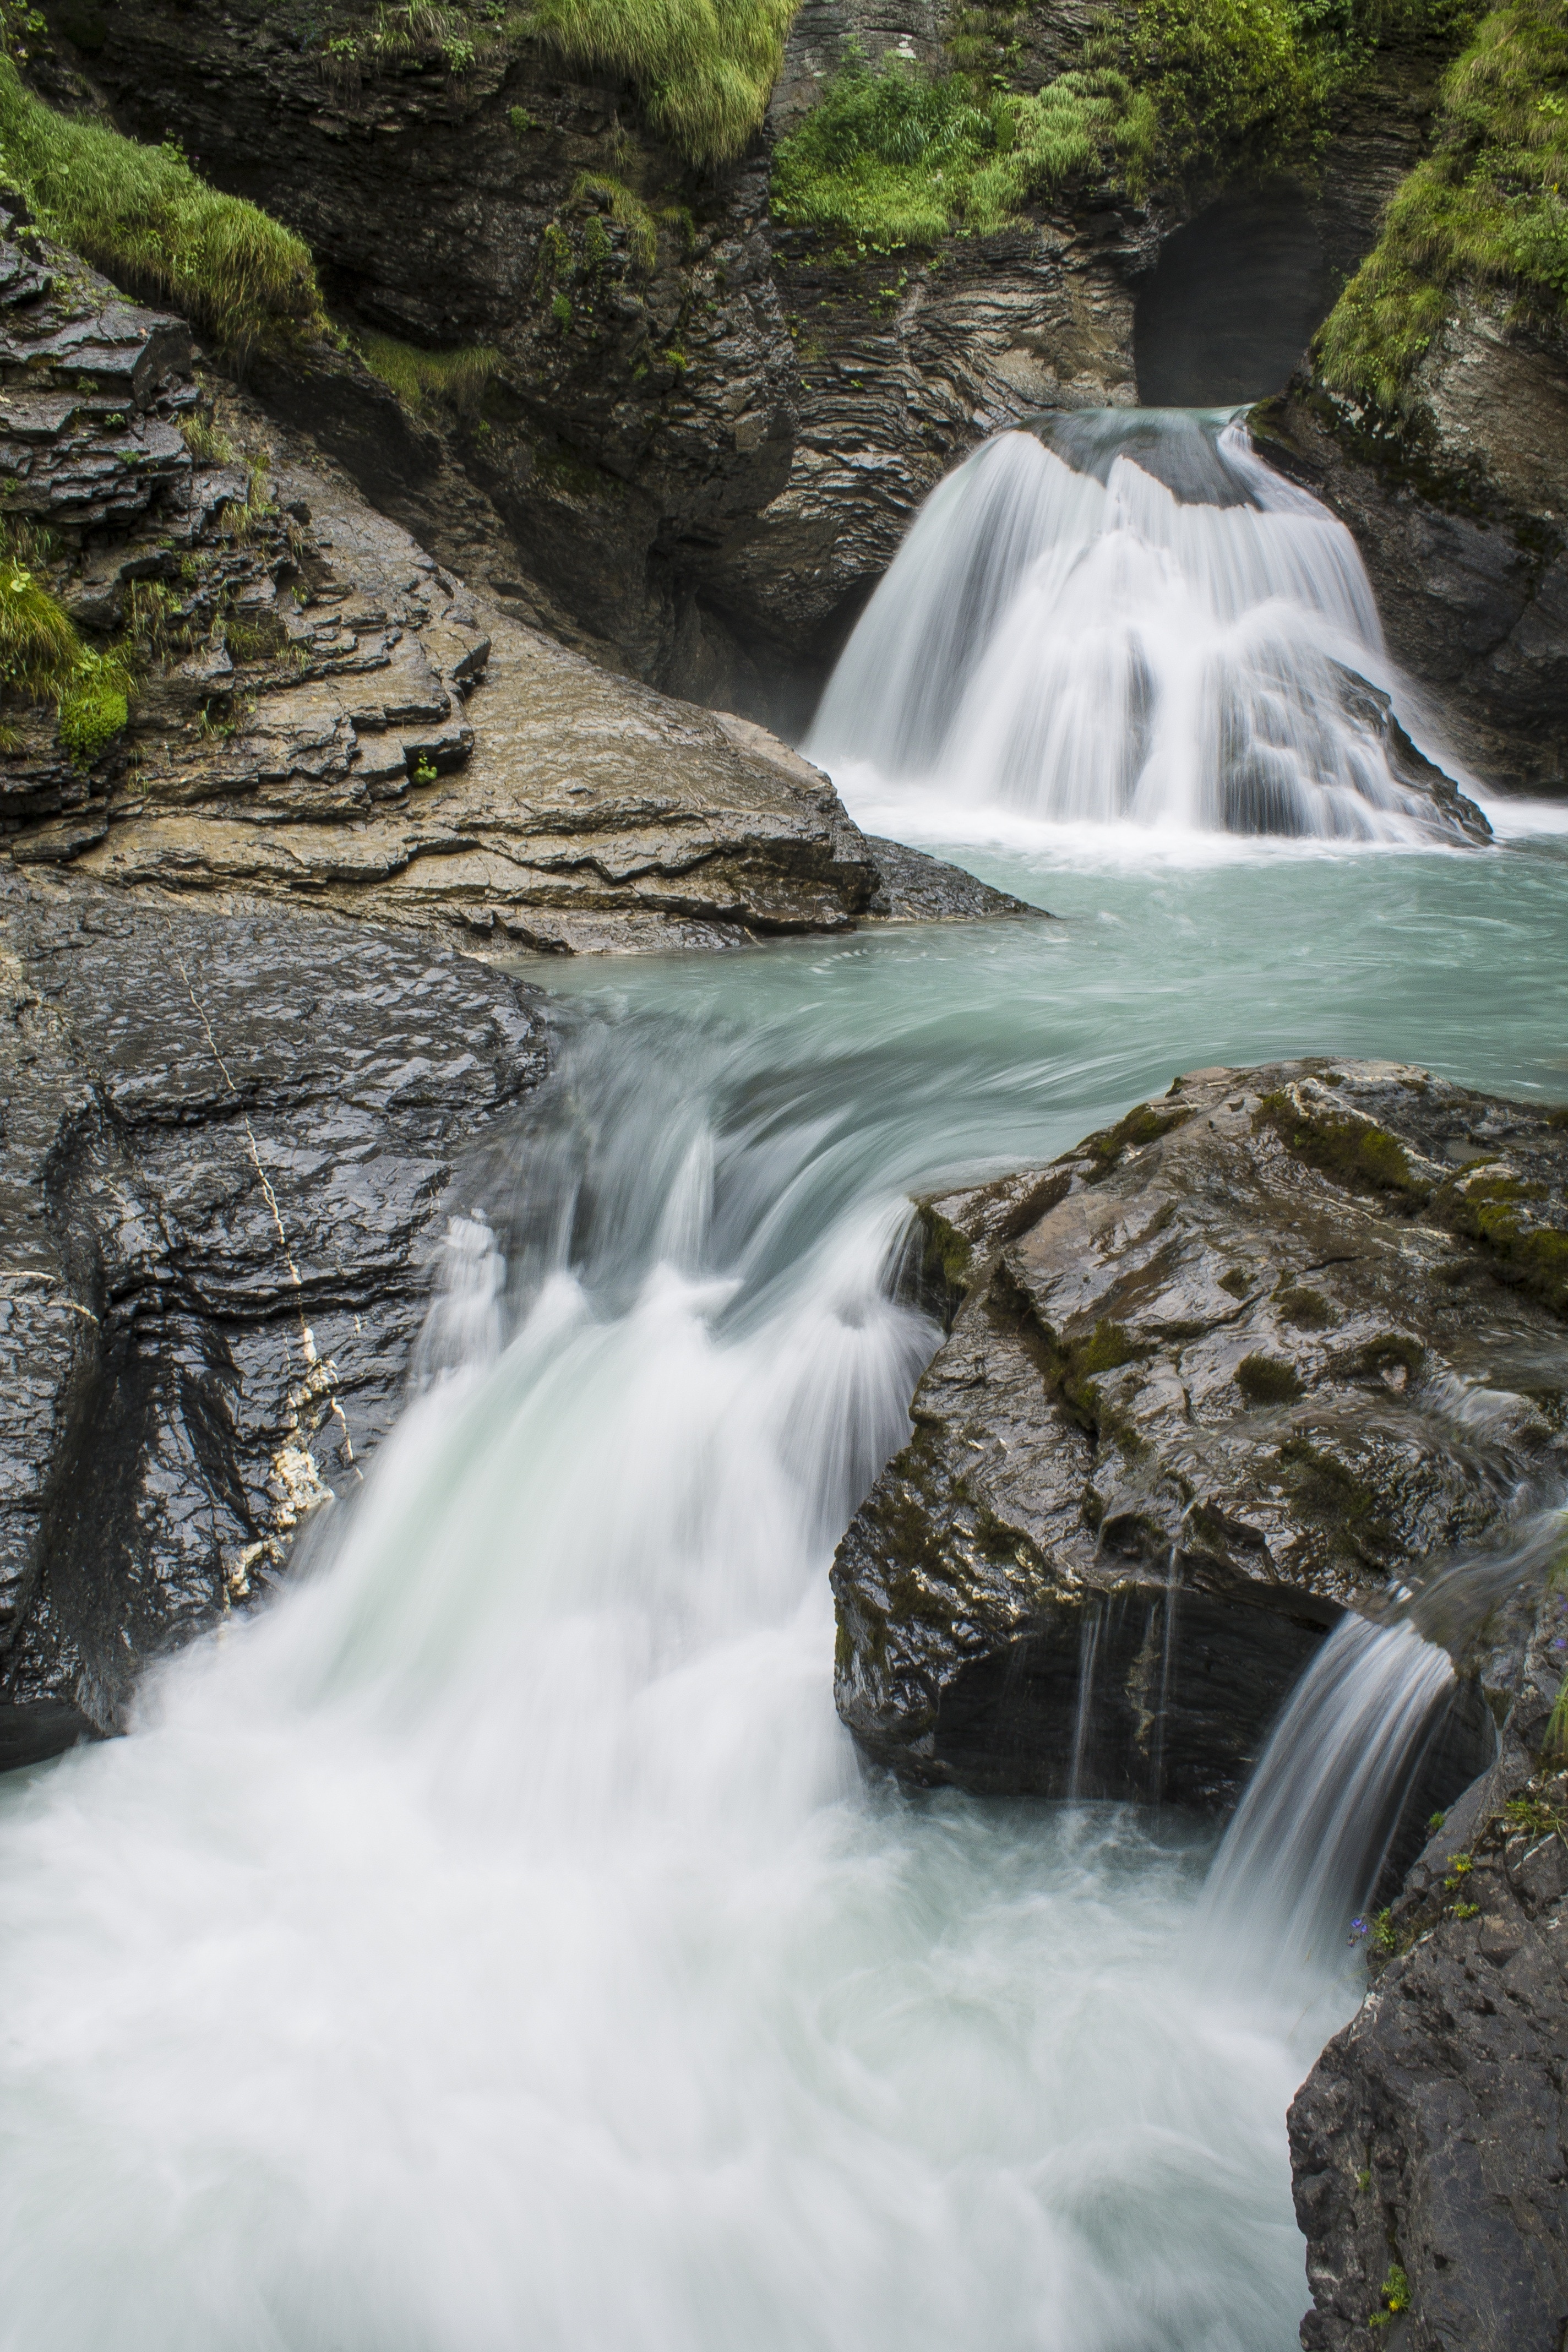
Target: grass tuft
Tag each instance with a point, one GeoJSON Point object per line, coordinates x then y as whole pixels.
{"type": "Point", "coordinates": [455, 380]}
{"type": "Point", "coordinates": [148, 221]}
{"type": "Point", "coordinates": [704, 68]}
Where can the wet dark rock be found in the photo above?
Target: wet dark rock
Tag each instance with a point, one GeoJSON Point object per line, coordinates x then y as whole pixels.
{"type": "Point", "coordinates": [1458, 516]}
{"type": "Point", "coordinates": [914, 888]}
{"type": "Point", "coordinates": [227, 1144]}
{"type": "Point", "coordinates": [1427, 2144]}
{"type": "Point", "coordinates": [1241, 1362]}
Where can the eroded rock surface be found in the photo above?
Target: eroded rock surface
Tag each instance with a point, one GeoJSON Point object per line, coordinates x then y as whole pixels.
{"type": "Point", "coordinates": [328, 716]}
{"type": "Point", "coordinates": [696, 456]}
{"type": "Point", "coordinates": [228, 1140]}
{"type": "Point", "coordinates": [1426, 2143]}
{"type": "Point", "coordinates": [1228, 1368]}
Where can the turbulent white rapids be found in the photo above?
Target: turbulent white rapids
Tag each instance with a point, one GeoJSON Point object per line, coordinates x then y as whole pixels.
{"type": "Point", "coordinates": [1141, 624]}
{"type": "Point", "coordinates": [494, 1944]}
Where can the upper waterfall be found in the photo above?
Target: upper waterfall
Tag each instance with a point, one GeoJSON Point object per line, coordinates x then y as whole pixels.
{"type": "Point", "coordinates": [1124, 616]}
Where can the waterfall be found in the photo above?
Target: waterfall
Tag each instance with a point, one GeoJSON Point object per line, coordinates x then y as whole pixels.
{"type": "Point", "coordinates": [1125, 617]}
{"type": "Point", "coordinates": [494, 1941]}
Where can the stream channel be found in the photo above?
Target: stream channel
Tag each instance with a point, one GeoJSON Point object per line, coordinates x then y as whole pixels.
{"type": "Point", "coordinates": [494, 1944]}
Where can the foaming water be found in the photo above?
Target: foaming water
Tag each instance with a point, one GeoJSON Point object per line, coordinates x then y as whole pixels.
{"type": "Point", "coordinates": [495, 1943]}
{"type": "Point", "coordinates": [1139, 625]}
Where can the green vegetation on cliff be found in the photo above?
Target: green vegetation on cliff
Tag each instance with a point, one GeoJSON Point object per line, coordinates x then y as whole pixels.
{"type": "Point", "coordinates": [1488, 206]}
{"type": "Point", "coordinates": [1185, 92]}
{"type": "Point", "coordinates": [897, 157]}
{"type": "Point", "coordinates": [43, 659]}
{"type": "Point", "coordinates": [145, 218]}
{"type": "Point", "coordinates": [704, 68]}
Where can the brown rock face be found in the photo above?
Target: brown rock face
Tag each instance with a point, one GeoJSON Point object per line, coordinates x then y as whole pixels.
{"type": "Point", "coordinates": [329, 718]}
{"type": "Point", "coordinates": [1268, 1345]}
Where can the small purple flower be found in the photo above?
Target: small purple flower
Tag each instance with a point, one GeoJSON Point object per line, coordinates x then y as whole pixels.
{"type": "Point", "coordinates": [1358, 1927]}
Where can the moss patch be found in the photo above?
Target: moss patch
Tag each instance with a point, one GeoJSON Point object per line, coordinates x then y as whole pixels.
{"type": "Point", "coordinates": [1268, 1380]}
{"type": "Point", "coordinates": [453, 380]}
{"type": "Point", "coordinates": [1488, 206]}
{"type": "Point", "coordinates": [145, 217]}
{"type": "Point", "coordinates": [1354, 1152]}
{"type": "Point", "coordinates": [1305, 1309]}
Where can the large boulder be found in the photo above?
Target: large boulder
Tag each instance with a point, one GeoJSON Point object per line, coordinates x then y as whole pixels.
{"type": "Point", "coordinates": [1246, 1359]}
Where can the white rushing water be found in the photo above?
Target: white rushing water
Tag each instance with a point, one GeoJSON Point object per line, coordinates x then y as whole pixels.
{"type": "Point", "coordinates": [495, 1943]}
{"type": "Point", "coordinates": [1142, 624]}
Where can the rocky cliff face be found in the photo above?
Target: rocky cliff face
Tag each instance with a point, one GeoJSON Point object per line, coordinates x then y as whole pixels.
{"type": "Point", "coordinates": [328, 716]}
{"type": "Point", "coordinates": [704, 436]}
{"type": "Point", "coordinates": [1459, 522]}
{"type": "Point", "coordinates": [1234, 1365]}
{"type": "Point", "coordinates": [1427, 2140]}
{"type": "Point", "coordinates": [228, 1141]}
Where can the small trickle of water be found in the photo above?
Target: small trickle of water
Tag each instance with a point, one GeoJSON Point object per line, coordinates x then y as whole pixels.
{"type": "Point", "coordinates": [1141, 623]}
{"type": "Point", "coordinates": [1307, 1840]}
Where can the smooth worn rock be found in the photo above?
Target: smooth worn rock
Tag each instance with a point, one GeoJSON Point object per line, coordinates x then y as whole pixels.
{"type": "Point", "coordinates": [227, 1143]}
{"type": "Point", "coordinates": [1426, 2143]}
{"type": "Point", "coordinates": [1234, 1365]}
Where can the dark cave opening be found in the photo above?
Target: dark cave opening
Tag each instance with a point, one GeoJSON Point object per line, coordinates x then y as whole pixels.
{"type": "Point", "coordinates": [1233, 302]}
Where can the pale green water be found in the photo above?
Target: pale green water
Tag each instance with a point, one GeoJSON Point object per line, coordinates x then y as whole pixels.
{"type": "Point", "coordinates": [941, 1048]}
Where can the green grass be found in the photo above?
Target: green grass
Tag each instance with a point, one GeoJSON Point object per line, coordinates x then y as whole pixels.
{"type": "Point", "coordinates": [1486, 207]}
{"type": "Point", "coordinates": [1187, 92]}
{"type": "Point", "coordinates": [704, 68]}
{"type": "Point", "coordinates": [455, 380]}
{"type": "Point", "coordinates": [43, 659]}
{"type": "Point", "coordinates": [148, 221]}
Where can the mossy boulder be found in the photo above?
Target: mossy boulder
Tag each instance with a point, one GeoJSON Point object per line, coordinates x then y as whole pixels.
{"type": "Point", "coordinates": [1262, 1351]}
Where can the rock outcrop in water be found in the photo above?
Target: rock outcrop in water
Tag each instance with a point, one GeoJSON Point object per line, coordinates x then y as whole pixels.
{"type": "Point", "coordinates": [1237, 1363]}
{"type": "Point", "coordinates": [227, 1144]}
{"type": "Point", "coordinates": [1427, 2141]}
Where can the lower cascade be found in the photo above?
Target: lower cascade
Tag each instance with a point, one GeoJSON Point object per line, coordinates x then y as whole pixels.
{"type": "Point", "coordinates": [1125, 616]}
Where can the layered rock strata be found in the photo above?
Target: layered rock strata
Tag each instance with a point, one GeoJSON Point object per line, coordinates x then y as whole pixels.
{"type": "Point", "coordinates": [1259, 1352]}
{"type": "Point", "coordinates": [704, 434]}
{"type": "Point", "coordinates": [330, 718]}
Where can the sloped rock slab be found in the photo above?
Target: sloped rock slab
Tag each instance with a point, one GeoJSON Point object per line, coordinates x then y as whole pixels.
{"type": "Point", "coordinates": [228, 1139]}
{"type": "Point", "coordinates": [1267, 1347]}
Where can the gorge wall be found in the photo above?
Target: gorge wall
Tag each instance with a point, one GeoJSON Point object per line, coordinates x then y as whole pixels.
{"type": "Point", "coordinates": [694, 435]}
